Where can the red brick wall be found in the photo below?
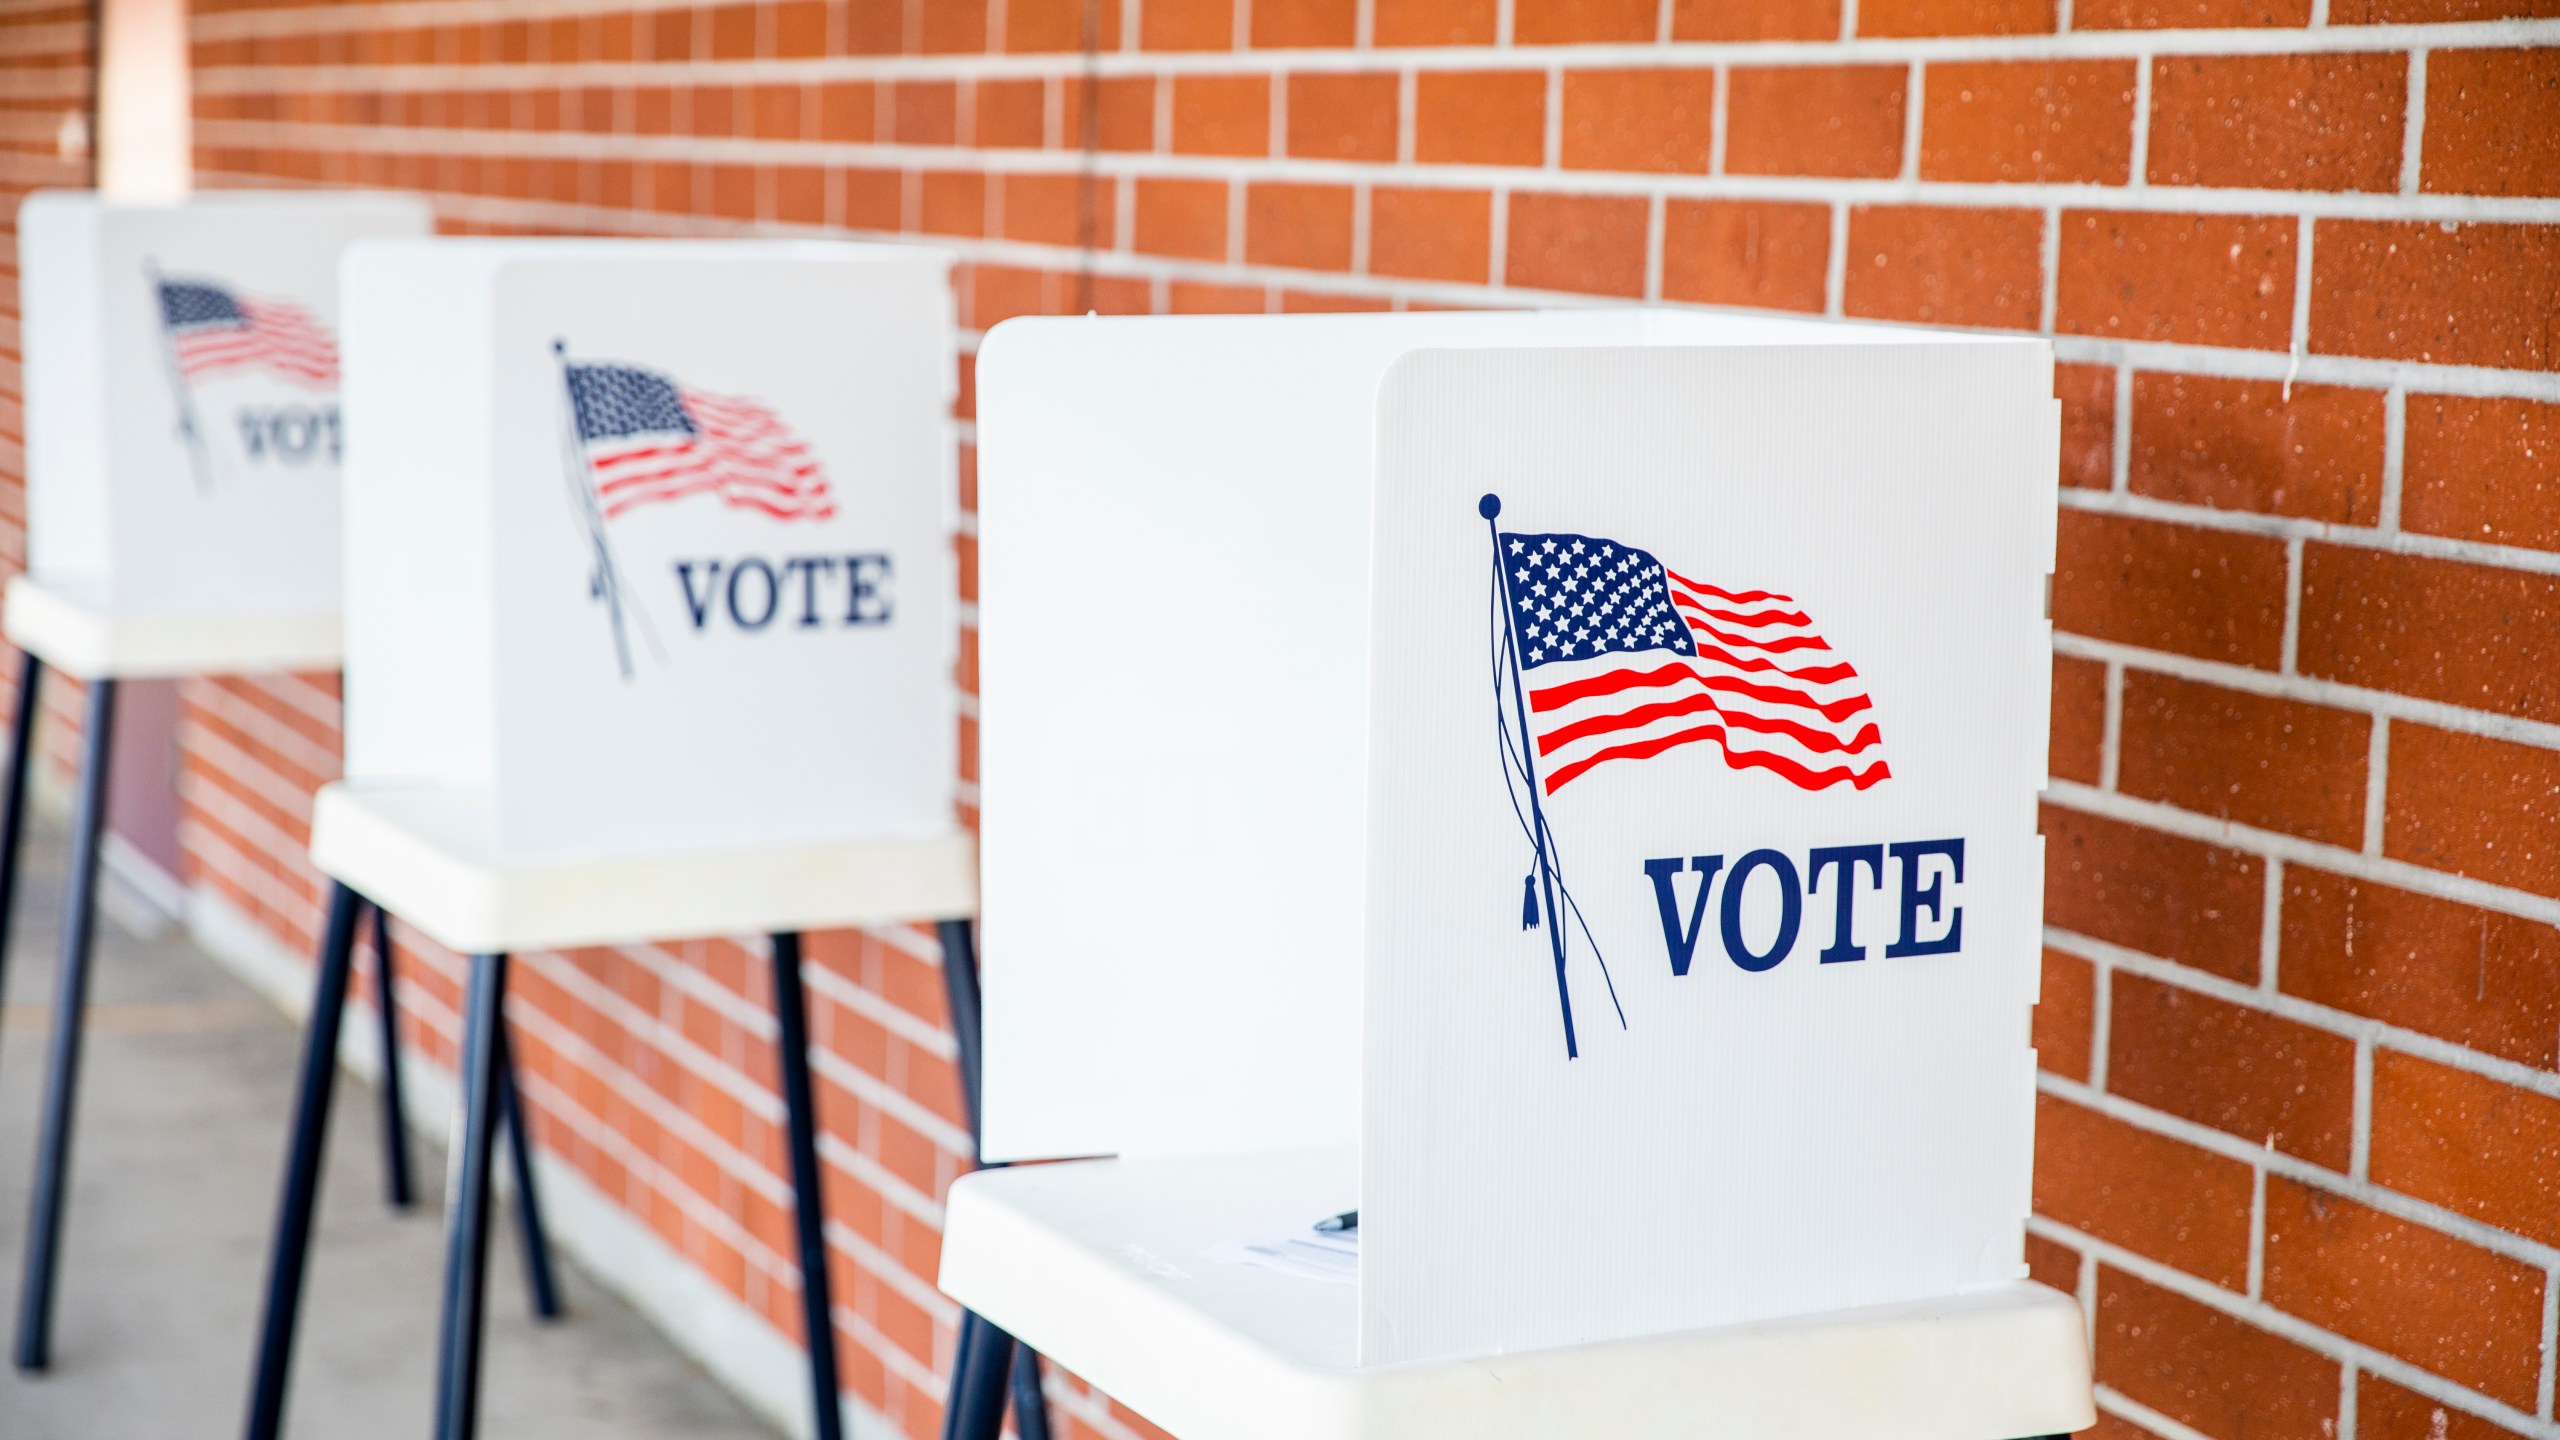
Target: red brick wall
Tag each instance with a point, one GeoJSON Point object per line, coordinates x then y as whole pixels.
{"type": "Point", "coordinates": [2301, 258]}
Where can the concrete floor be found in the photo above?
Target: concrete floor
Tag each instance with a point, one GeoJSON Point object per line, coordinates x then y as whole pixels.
{"type": "Point", "coordinates": [185, 1085]}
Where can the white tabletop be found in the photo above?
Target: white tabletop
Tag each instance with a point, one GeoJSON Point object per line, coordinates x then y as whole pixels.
{"type": "Point", "coordinates": [1101, 1265]}
{"type": "Point", "coordinates": [424, 853]}
{"type": "Point", "coordinates": [75, 632]}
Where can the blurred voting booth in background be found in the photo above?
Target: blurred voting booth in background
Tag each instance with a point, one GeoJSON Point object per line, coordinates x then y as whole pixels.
{"type": "Point", "coordinates": [649, 636]}
{"type": "Point", "coordinates": [650, 554]}
{"type": "Point", "coordinates": [1561, 786]}
{"type": "Point", "coordinates": [183, 432]}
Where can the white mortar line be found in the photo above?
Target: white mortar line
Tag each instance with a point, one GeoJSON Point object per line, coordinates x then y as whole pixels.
{"type": "Point", "coordinates": [2413, 134]}
{"type": "Point", "coordinates": [2377, 783]}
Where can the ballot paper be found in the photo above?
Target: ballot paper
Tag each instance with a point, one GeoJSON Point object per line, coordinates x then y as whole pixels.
{"type": "Point", "coordinates": [1308, 1254]}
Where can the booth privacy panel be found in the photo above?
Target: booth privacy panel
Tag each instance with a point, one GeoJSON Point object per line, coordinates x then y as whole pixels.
{"type": "Point", "coordinates": [1680, 657]}
{"type": "Point", "coordinates": [183, 433]}
{"type": "Point", "coordinates": [652, 541]}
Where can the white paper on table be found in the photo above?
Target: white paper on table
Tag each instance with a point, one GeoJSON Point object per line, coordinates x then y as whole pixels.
{"type": "Point", "coordinates": [1309, 1254]}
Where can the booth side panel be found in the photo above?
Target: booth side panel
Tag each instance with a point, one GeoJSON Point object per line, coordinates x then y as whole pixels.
{"type": "Point", "coordinates": [64, 368]}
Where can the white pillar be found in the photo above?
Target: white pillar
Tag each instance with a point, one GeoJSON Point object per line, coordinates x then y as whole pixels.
{"type": "Point", "coordinates": [146, 127]}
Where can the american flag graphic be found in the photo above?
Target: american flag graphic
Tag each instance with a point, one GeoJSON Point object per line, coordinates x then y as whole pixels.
{"type": "Point", "coordinates": [1623, 658]}
{"type": "Point", "coordinates": [648, 438]}
{"type": "Point", "coordinates": [211, 329]}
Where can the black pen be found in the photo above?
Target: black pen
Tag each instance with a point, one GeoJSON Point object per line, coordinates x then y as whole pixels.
{"type": "Point", "coordinates": [1336, 1224]}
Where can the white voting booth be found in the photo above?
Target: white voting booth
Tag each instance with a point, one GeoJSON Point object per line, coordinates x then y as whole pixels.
{"type": "Point", "coordinates": [649, 551]}
{"type": "Point", "coordinates": [649, 636]}
{"type": "Point", "coordinates": [1560, 785]}
{"type": "Point", "coordinates": [183, 433]}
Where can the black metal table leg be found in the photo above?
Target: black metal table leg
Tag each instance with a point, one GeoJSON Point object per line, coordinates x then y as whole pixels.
{"type": "Point", "coordinates": [62, 1065]}
{"type": "Point", "coordinates": [980, 1366]}
{"type": "Point", "coordinates": [395, 1128]}
{"type": "Point", "coordinates": [466, 1246]}
{"type": "Point", "coordinates": [291, 1248]}
{"type": "Point", "coordinates": [13, 801]}
{"type": "Point", "coordinates": [988, 1362]}
{"type": "Point", "coordinates": [808, 1187]}
{"type": "Point", "coordinates": [532, 1241]}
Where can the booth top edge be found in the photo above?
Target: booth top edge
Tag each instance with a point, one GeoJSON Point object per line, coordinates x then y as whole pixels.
{"type": "Point", "coordinates": [1595, 328]}
{"type": "Point", "coordinates": [98, 201]}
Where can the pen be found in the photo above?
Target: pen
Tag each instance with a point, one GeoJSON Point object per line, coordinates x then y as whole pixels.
{"type": "Point", "coordinates": [1336, 1224]}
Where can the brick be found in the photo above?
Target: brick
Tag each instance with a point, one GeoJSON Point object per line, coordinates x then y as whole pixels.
{"type": "Point", "coordinates": [2163, 895]}
{"type": "Point", "coordinates": [800, 195]}
{"type": "Point", "coordinates": [1183, 218]}
{"type": "Point", "coordinates": [2478, 636]}
{"type": "Point", "coordinates": [2269, 1080]}
{"type": "Point", "coordinates": [2445, 293]}
{"type": "Point", "coordinates": [2053, 1263]}
{"type": "Point", "coordinates": [1592, 244]}
{"type": "Point", "coordinates": [2211, 594]}
{"type": "Point", "coordinates": [2474, 806]}
{"type": "Point", "coordinates": [1221, 115]}
{"type": "Point", "coordinates": [2470, 1144]}
{"type": "Point", "coordinates": [2079, 719]}
{"type": "Point", "coordinates": [1055, 26]}
{"type": "Point", "coordinates": [2483, 980]}
{"type": "Point", "coordinates": [2203, 1368]}
{"type": "Point", "coordinates": [953, 27]}
{"type": "Point", "coordinates": [1653, 119]}
{"type": "Point", "coordinates": [2042, 121]}
{"type": "Point", "coordinates": [2146, 1192]}
{"type": "Point", "coordinates": [1955, 17]}
{"type": "Point", "coordinates": [872, 27]}
{"type": "Point", "coordinates": [2244, 445]}
{"type": "Point", "coordinates": [1766, 254]}
{"type": "Point", "coordinates": [1121, 112]}
{"type": "Point", "coordinates": [2188, 14]}
{"type": "Point", "coordinates": [1435, 22]}
{"type": "Point", "coordinates": [1009, 115]}
{"type": "Point", "coordinates": [1313, 302]}
{"type": "Point", "coordinates": [2482, 470]}
{"type": "Point", "coordinates": [2275, 764]}
{"type": "Point", "coordinates": [2462, 1312]}
{"type": "Point", "coordinates": [1426, 234]}
{"type": "Point", "coordinates": [799, 30]}
{"type": "Point", "coordinates": [2279, 122]}
{"type": "Point", "coordinates": [1948, 265]}
{"type": "Point", "coordinates": [1836, 120]}
{"type": "Point", "coordinates": [2198, 279]}
{"type": "Point", "coordinates": [1305, 24]}
{"type": "Point", "coordinates": [1342, 117]}
{"type": "Point", "coordinates": [955, 203]}
{"type": "Point", "coordinates": [865, 199]}
{"type": "Point", "coordinates": [1055, 210]}
{"type": "Point", "coordinates": [924, 112]}
{"type": "Point", "coordinates": [2493, 123]}
{"type": "Point", "coordinates": [1480, 117]}
{"type": "Point", "coordinates": [2385, 1411]}
{"type": "Point", "coordinates": [2064, 1016]}
{"type": "Point", "coordinates": [1306, 227]}
{"type": "Point", "coordinates": [2088, 396]}
{"type": "Point", "coordinates": [1755, 19]}
{"type": "Point", "coordinates": [1574, 22]}
{"type": "Point", "coordinates": [1187, 24]}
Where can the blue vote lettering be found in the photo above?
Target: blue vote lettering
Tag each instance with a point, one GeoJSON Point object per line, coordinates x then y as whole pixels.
{"type": "Point", "coordinates": [1925, 901]}
{"type": "Point", "coordinates": [290, 434]}
{"type": "Point", "coordinates": [755, 595]}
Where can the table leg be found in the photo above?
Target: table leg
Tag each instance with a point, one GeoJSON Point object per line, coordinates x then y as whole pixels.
{"type": "Point", "coordinates": [70, 1005]}
{"type": "Point", "coordinates": [808, 1186]}
{"type": "Point", "coordinates": [13, 804]}
{"type": "Point", "coordinates": [291, 1248]}
{"type": "Point", "coordinates": [466, 1246]}
{"type": "Point", "coordinates": [532, 1240]}
{"type": "Point", "coordinates": [980, 1367]}
{"type": "Point", "coordinates": [1030, 1401]}
{"type": "Point", "coordinates": [396, 1189]}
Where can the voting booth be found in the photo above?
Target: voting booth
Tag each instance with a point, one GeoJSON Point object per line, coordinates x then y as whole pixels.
{"type": "Point", "coordinates": [1518, 833]}
{"type": "Point", "coordinates": [183, 450]}
{"type": "Point", "coordinates": [649, 636]}
{"type": "Point", "coordinates": [184, 438]}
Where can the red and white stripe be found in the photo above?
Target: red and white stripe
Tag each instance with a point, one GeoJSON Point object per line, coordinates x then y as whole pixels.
{"type": "Point", "coordinates": [283, 338]}
{"type": "Point", "coordinates": [743, 453]}
{"type": "Point", "coordinates": [1764, 686]}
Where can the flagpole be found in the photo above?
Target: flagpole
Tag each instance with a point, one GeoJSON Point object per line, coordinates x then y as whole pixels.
{"type": "Point", "coordinates": [197, 457]}
{"type": "Point", "coordinates": [607, 581]}
{"type": "Point", "coordinates": [1490, 507]}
